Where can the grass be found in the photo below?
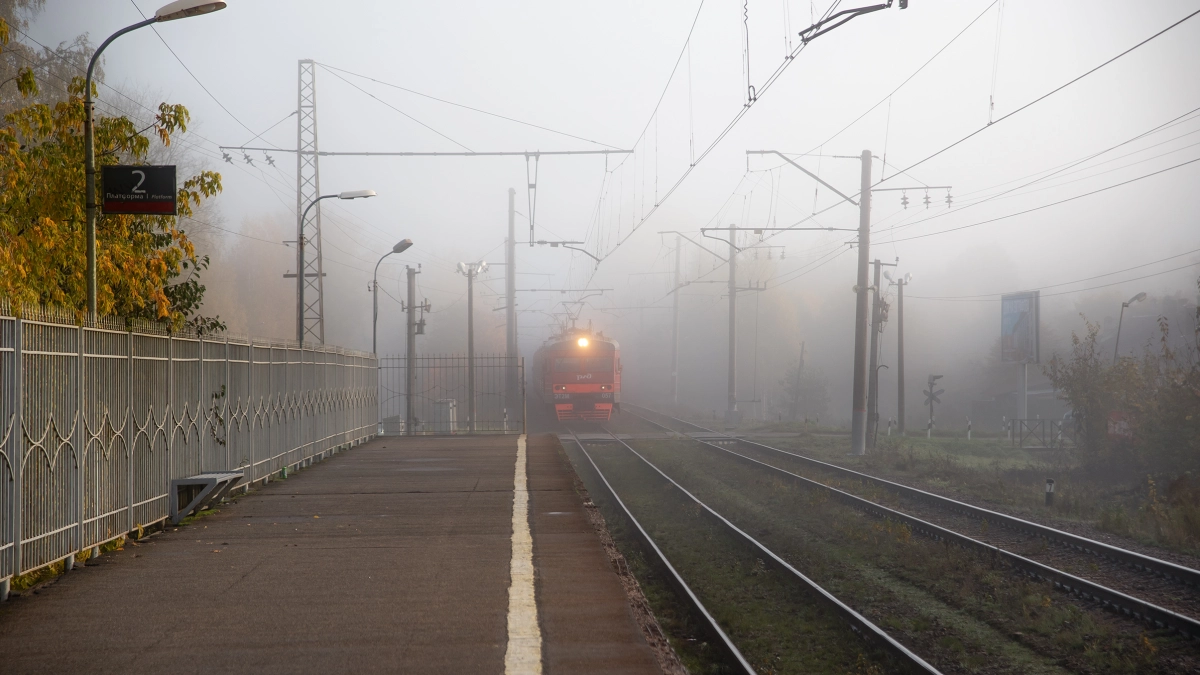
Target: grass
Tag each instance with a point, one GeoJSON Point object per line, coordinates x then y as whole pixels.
{"type": "Point", "coordinates": [774, 621]}
{"type": "Point", "coordinates": [952, 608]}
{"type": "Point", "coordinates": [1154, 511]}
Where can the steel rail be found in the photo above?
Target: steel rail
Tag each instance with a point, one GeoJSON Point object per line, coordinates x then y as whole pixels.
{"type": "Point", "coordinates": [673, 577]}
{"type": "Point", "coordinates": [858, 623]}
{"type": "Point", "coordinates": [1170, 570]}
{"type": "Point", "coordinates": [1113, 599]}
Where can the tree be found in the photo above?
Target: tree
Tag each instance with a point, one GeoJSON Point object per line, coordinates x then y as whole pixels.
{"type": "Point", "coordinates": [146, 266]}
{"type": "Point", "coordinates": [805, 390]}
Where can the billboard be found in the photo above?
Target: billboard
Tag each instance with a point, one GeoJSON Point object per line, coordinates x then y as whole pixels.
{"type": "Point", "coordinates": [1019, 316]}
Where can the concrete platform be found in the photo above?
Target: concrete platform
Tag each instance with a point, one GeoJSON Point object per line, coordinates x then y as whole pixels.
{"type": "Point", "coordinates": [392, 557]}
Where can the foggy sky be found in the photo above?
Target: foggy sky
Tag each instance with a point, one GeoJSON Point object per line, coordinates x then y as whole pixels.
{"type": "Point", "coordinates": [597, 71]}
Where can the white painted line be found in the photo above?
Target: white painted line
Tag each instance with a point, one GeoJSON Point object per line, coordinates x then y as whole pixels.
{"type": "Point", "coordinates": [524, 653]}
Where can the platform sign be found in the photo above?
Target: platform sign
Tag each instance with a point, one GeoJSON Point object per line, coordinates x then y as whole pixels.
{"type": "Point", "coordinates": [1019, 318]}
{"type": "Point", "coordinates": [141, 190]}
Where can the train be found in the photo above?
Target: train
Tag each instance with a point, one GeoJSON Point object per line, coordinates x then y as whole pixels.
{"type": "Point", "coordinates": [577, 375]}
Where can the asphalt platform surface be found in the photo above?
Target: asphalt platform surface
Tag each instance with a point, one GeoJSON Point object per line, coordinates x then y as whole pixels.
{"type": "Point", "coordinates": [393, 556]}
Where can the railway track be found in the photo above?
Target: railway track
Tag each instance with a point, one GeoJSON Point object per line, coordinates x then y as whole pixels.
{"type": "Point", "coordinates": [1158, 592]}
{"type": "Point", "coordinates": [859, 624]}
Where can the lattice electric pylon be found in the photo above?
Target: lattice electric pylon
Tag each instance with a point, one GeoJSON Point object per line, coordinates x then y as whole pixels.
{"type": "Point", "coordinates": [310, 302]}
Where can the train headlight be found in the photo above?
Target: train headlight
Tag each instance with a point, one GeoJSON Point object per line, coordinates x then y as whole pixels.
{"type": "Point", "coordinates": [583, 342]}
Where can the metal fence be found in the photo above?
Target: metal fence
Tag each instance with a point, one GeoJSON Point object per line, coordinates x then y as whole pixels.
{"type": "Point", "coordinates": [441, 395]}
{"type": "Point", "coordinates": [96, 420]}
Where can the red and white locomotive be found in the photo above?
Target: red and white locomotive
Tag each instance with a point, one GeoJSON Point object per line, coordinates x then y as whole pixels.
{"type": "Point", "coordinates": [577, 374]}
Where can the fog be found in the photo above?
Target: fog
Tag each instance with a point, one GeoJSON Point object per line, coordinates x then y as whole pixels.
{"type": "Point", "coordinates": [612, 75]}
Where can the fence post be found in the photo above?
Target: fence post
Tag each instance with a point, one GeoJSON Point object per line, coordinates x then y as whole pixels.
{"type": "Point", "coordinates": [169, 411]}
{"type": "Point", "coordinates": [130, 423]}
{"type": "Point", "coordinates": [228, 415]}
{"type": "Point", "coordinates": [80, 433]}
{"type": "Point", "coordinates": [252, 406]}
{"type": "Point", "coordinates": [201, 409]}
{"type": "Point", "coordinates": [16, 440]}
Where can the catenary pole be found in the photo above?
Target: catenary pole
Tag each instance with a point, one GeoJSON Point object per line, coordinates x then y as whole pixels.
{"type": "Point", "coordinates": [900, 353]}
{"type": "Point", "coordinates": [510, 292]}
{"type": "Point", "coordinates": [675, 322]}
{"type": "Point", "coordinates": [858, 419]}
{"type": "Point", "coordinates": [873, 370]}
{"type": "Point", "coordinates": [731, 411]}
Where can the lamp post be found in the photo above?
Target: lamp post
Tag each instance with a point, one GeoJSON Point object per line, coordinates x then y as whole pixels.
{"type": "Point", "coordinates": [400, 247]}
{"type": "Point", "coordinates": [180, 9]}
{"type": "Point", "coordinates": [470, 271]}
{"type": "Point", "coordinates": [1137, 298]}
{"type": "Point", "coordinates": [300, 275]}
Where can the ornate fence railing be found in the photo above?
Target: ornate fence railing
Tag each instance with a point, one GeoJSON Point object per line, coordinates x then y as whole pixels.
{"type": "Point", "coordinates": [96, 421]}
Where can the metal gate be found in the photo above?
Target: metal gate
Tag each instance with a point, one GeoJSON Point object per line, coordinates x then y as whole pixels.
{"type": "Point", "coordinates": [441, 400]}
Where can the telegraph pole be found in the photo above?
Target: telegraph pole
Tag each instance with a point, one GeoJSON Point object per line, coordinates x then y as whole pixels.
{"type": "Point", "coordinates": [410, 357]}
{"type": "Point", "coordinates": [858, 419]}
{"type": "Point", "coordinates": [731, 411]}
{"type": "Point", "coordinates": [675, 323]}
{"type": "Point", "coordinates": [900, 283]}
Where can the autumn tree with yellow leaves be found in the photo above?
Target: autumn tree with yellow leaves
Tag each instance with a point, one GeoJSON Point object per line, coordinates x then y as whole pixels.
{"type": "Point", "coordinates": [146, 266]}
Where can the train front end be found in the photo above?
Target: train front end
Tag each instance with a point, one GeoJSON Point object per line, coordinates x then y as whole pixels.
{"type": "Point", "coordinates": [580, 376]}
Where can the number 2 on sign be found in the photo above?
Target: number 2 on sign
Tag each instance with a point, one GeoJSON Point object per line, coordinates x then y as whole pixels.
{"type": "Point", "coordinates": [137, 189]}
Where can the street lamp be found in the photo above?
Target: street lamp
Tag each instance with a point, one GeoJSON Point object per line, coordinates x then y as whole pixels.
{"type": "Point", "coordinates": [350, 194]}
{"type": "Point", "coordinates": [180, 9]}
{"type": "Point", "coordinates": [400, 247]}
{"type": "Point", "coordinates": [1137, 298]}
{"type": "Point", "coordinates": [470, 271]}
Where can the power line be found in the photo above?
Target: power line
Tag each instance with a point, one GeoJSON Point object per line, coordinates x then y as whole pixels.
{"type": "Point", "coordinates": [1050, 93]}
{"type": "Point", "coordinates": [466, 107]}
{"type": "Point", "coordinates": [1070, 165]}
{"type": "Point", "coordinates": [1078, 290]}
{"type": "Point", "coordinates": [189, 72]}
{"type": "Point", "coordinates": [1046, 206]}
{"type": "Point", "coordinates": [400, 111]}
{"type": "Point", "coordinates": [1068, 283]}
{"type": "Point", "coordinates": [909, 78]}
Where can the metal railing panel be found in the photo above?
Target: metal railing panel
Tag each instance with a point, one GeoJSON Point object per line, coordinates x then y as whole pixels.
{"type": "Point", "coordinates": [441, 397]}
{"type": "Point", "coordinates": [96, 420]}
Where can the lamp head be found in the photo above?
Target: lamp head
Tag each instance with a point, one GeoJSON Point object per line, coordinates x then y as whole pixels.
{"type": "Point", "coordinates": [356, 194]}
{"type": "Point", "coordinates": [1137, 298]}
{"type": "Point", "coordinates": [908, 278]}
{"type": "Point", "coordinates": [182, 9]}
{"type": "Point", "coordinates": [462, 268]}
{"type": "Point", "coordinates": [402, 246]}
{"type": "Point", "coordinates": [887, 274]}
{"type": "Point", "coordinates": [482, 267]}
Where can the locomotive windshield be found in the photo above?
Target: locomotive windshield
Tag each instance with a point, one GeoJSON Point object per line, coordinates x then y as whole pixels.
{"type": "Point", "coordinates": [566, 365]}
{"type": "Point", "coordinates": [598, 365]}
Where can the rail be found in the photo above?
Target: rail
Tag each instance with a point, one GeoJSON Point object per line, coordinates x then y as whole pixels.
{"type": "Point", "coordinates": [1117, 600]}
{"type": "Point", "coordinates": [96, 420]}
{"type": "Point", "coordinates": [673, 577]}
{"type": "Point", "coordinates": [858, 623]}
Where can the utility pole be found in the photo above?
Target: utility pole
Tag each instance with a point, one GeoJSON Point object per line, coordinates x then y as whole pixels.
{"type": "Point", "coordinates": [876, 329]}
{"type": "Point", "coordinates": [858, 419]}
{"type": "Point", "coordinates": [675, 323]}
{"type": "Point", "coordinates": [731, 411]}
{"type": "Point", "coordinates": [510, 292]}
{"type": "Point", "coordinates": [410, 357]}
{"type": "Point", "coordinates": [900, 283]}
